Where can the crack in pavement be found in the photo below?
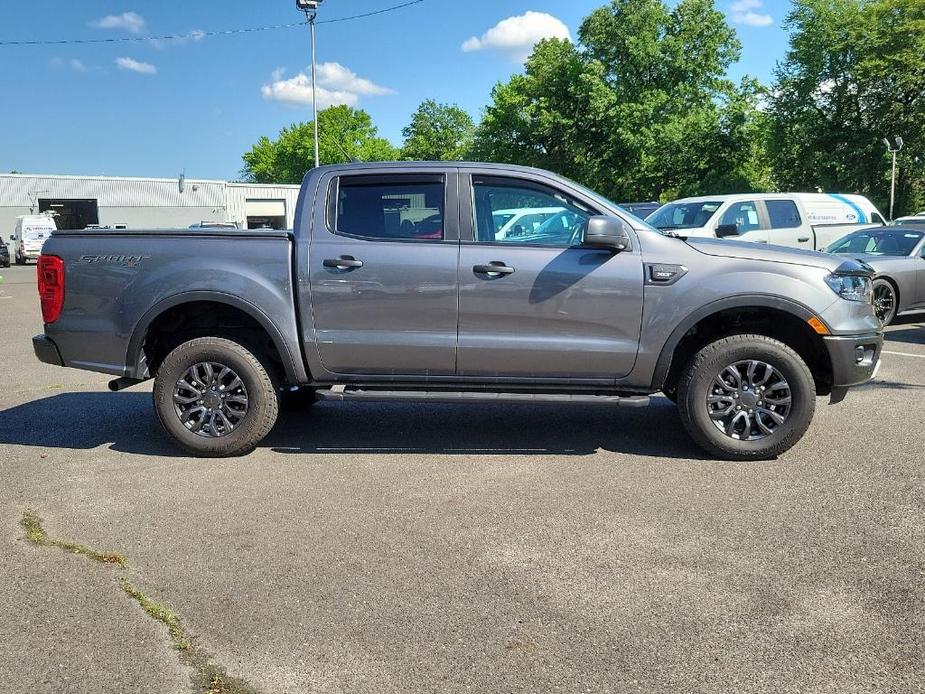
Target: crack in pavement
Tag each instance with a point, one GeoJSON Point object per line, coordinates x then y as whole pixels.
{"type": "Point", "coordinates": [207, 676]}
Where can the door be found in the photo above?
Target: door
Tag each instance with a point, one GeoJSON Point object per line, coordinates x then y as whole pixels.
{"type": "Point", "coordinates": [787, 226]}
{"type": "Point", "coordinates": [920, 275]}
{"type": "Point", "coordinates": [745, 216]}
{"type": "Point", "coordinates": [535, 304]}
{"type": "Point", "coordinates": [382, 269]}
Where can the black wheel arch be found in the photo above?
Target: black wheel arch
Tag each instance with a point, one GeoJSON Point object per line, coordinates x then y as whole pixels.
{"type": "Point", "coordinates": [136, 358]}
{"type": "Point", "coordinates": [667, 366]}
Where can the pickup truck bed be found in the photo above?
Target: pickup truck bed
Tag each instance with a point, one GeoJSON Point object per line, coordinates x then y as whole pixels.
{"type": "Point", "coordinates": [133, 277]}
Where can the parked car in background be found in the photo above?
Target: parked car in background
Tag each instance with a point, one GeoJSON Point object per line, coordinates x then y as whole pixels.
{"type": "Point", "coordinates": [640, 209]}
{"type": "Point", "coordinates": [917, 219]}
{"type": "Point", "coordinates": [800, 220]}
{"type": "Point", "coordinates": [521, 222]}
{"type": "Point", "coordinates": [214, 225]}
{"type": "Point", "coordinates": [897, 255]}
{"type": "Point", "coordinates": [4, 255]}
{"type": "Point", "coordinates": [30, 235]}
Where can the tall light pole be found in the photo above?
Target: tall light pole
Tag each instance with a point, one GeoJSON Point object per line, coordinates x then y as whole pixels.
{"type": "Point", "coordinates": [310, 8]}
{"type": "Point", "coordinates": [891, 150]}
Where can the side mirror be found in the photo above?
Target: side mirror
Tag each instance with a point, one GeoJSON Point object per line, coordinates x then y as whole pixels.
{"type": "Point", "coordinates": [607, 232]}
{"type": "Point", "coordinates": [726, 230]}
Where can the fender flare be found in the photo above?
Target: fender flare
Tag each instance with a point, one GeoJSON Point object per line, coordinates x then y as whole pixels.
{"type": "Point", "coordinates": [779, 303]}
{"type": "Point", "coordinates": [135, 363]}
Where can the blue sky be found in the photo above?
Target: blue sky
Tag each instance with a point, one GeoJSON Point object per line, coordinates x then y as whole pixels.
{"type": "Point", "coordinates": [154, 109]}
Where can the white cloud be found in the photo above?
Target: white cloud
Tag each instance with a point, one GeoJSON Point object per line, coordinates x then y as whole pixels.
{"type": "Point", "coordinates": [518, 35]}
{"type": "Point", "coordinates": [136, 66]}
{"type": "Point", "coordinates": [740, 12]}
{"type": "Point", "coordinates": [73, 64]}
{"type": "Point", "coordinates": [336, 85]}
{"type": "Point", "coordinates": [129, 21]}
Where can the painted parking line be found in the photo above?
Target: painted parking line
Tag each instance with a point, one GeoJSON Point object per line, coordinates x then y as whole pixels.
{"type": "Point", "coordinates": [904, 354]}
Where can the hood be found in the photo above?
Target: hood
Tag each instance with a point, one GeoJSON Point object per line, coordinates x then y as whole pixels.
{"type": "Point", "coordinates": [873, 260]}
{"type": "Point", "coordinates": [727, 248]}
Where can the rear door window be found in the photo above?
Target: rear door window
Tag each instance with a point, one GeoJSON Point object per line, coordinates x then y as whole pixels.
{"type": "Point", "coordinates": [400, 208]}
{"type": "Point", "coordinates": [783, 214]}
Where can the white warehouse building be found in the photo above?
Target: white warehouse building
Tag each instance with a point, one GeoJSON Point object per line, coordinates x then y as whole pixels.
{"type": "Point", "coordinates": [143, 203]}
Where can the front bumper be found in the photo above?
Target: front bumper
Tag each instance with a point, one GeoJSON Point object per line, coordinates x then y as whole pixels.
{"type": "Point", "coordinates": [854, 358]}
{"type": "Point", "coordinates": [46, 350]}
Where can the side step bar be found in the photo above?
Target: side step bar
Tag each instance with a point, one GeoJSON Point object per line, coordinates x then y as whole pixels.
{"type": "Point", "coordinates": [346, 393]}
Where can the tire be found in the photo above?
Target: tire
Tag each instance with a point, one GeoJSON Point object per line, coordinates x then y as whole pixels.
{"type": "Point", "coordinates": [748, 439]}
{"type": "Point", "coordinates": [885, 301]}
{"type": "Point", "coordinates": [248, 423]}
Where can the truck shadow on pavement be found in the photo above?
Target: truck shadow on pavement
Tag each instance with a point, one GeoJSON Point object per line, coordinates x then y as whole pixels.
{"type": "Point", "coordinates": [126, 423]}
{"type": "Point", "coordinates": [911, 335]}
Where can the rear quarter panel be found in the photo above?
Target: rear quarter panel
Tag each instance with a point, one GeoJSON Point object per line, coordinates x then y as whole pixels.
{"type": "Point", "coordinates": [116, 283]}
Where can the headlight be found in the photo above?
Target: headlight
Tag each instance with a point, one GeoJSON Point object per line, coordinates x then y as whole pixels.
{"type": "Point", "coordinates": [850, 287]}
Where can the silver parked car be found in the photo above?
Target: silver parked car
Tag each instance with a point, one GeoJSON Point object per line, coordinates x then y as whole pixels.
{"type": "Point", "coordinates": [897, 255]}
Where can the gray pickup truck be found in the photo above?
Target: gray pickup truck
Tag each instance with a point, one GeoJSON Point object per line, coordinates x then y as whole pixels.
{"type": "Point", "coordinates": [459, 283]}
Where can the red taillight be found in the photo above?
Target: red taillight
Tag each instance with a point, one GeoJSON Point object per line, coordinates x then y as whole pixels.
{"type": "Point", "coordinates": [51, 286]}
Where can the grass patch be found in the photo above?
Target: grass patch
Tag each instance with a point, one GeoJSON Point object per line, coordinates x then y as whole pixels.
{"type": "Point", "coordinates": [31, 523]}
{"type": "Point", "coordinates": [157, 611]}
{"type": "Point", "coordinates": [207, 677]}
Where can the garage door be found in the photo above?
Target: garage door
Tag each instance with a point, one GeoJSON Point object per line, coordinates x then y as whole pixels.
{"type": "Point", "coordinates": [265, 208]}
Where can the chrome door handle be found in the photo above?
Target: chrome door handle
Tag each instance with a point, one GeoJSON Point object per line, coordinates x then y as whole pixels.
{"type": "Point", "coordinates": [345, 262]}
{"type": "Point", "coordinates": [493, 269]}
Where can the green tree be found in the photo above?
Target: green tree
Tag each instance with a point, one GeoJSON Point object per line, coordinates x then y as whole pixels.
{"type": "Point", "coordinates": [438, 132]}
{"type": "Point", "coordinates": [344, 134]}
{"type": "Point", "coordinates": [854, 74]}
{"type": "Point", "coordinates": [640, 108]}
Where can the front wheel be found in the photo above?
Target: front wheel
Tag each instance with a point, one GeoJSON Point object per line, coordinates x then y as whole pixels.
{"type": "Point", "coordinates": [215, 398]}
{"type": "Point", "coordinates": [746, 397]}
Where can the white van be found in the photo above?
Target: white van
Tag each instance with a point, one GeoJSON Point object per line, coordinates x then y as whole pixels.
{"type": "Point", "coordinates": [800, 220]}
{"type": "Point", "coordinates": [31, 233]}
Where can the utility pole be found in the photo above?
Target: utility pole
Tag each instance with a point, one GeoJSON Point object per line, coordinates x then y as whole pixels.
{"type": "Point", "coordinates": [310, 8]}
{"type": "Point", "coordinates": [894, 152]}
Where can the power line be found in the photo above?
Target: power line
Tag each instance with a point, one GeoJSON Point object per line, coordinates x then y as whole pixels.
{"type": "Point", "coordinates": [197, 35]}
{"type": "Point", "coordinates": [138, 39]}
{"type": "Point", "coordinates": [370, 14]}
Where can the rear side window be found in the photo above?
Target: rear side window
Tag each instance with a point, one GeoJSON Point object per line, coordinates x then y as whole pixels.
{"type": "Point", "coordinates": [409, 208]}
{"type": "Point", "coordinates": [876, 218]}
{"type": "Point", "coordinates": [783, 214]}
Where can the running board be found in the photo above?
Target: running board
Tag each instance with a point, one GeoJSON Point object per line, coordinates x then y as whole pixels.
{"type": "Point", "coordinates": [344, 393]}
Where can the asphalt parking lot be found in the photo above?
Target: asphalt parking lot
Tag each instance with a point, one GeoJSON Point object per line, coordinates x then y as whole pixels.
{"type": "Point", "coordinates": [406, 548]}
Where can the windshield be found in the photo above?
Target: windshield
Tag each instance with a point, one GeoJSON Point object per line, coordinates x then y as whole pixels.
{"type": "Point", "coordinates": [891, 242]}
{"type": "Point", "coordinates": [683, 215]}
{"type": "Point", "coordinates": [35, 234]}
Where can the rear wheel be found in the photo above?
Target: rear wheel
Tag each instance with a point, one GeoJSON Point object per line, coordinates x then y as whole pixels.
{"type": "Point", "coordinates": [746, 397]}
{"type": "Point", "coordinates": [885, 304]}
{"type": "Point", "coordinates": [215, 398]}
